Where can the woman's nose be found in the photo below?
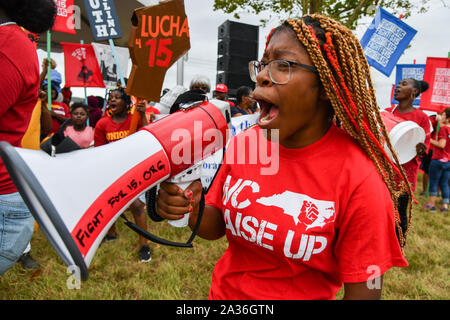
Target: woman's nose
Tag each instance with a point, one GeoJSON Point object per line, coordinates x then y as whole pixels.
{"type": "Point", "coordinates": [263, 77]}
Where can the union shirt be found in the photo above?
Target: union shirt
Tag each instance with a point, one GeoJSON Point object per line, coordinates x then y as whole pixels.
{"type": "Point", "coordinates": [106, 130]}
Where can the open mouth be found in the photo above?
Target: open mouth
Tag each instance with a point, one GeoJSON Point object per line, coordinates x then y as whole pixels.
{"type": "Point", "coordinates": [269, 112]}
{"type": "Point", "coordinates": [112, 107]}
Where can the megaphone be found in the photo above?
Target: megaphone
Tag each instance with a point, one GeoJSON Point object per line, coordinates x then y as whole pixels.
{"type": "Point", "coordinates": [76, 197]}
{"type": "Point", "coordinates": [404, 136]}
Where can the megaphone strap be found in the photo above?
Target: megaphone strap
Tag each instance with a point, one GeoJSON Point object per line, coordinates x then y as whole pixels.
{"type": "Point", "coordinates": [166, 242]}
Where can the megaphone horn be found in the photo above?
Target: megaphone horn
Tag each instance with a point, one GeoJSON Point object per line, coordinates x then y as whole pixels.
{"type": "Point", "coordinates": [77, 196]}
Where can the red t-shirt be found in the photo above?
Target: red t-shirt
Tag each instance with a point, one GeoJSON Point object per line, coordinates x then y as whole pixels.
{"type": "Point", "coordinates": [19, 85]}
{"type": "Point", "coordinates": [62, 109]}
{"type": "Point", "coordinates": [442, 154]}
{"type": "Point", "coordinates": [418, 116]}
{"type": "Point", "coordinates": [323, 219]}
{"type": "Point", "coordinates": [106, 130]}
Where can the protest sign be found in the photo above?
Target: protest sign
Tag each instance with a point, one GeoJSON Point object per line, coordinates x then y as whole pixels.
{"type": "Point", "coordinates": [106, 61]}
{"type": "Point", "coordinates": [103, 19]}
{"type": "Point", "coordinates": [158, 38]}
{"type": "Point", "coordinates": [81, 66]}
{"type": "Point", "coordinates": [385, 41]}
{"type": "Point", "coordinates": [64, 19]}
{"type": "Point", "coordinates": [409, 71]}
{"type": "Point", "coordinates": [437, 74]}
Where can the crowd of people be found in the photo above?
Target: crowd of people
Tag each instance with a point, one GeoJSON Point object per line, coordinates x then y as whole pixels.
{"type": "Point", "coordinates": [331, 160]}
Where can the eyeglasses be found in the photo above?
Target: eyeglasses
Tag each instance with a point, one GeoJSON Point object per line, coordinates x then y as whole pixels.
{"type": "Point", "coordinates": [279, 70]}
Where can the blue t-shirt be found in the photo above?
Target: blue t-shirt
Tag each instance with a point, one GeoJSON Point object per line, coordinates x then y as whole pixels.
{"type": "Point", "coordinates": [235, 109]}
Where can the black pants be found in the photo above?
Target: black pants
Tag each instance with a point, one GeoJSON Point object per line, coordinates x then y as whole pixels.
{"type": "Point", "coordinates": [403, 201]}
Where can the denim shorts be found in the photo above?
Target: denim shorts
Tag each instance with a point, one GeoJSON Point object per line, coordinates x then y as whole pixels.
{"type": "Point", "coordinates": [16, 229]}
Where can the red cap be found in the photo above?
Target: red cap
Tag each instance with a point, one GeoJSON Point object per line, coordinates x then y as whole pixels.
{"type": "Point", "coordinates": [222, 88]}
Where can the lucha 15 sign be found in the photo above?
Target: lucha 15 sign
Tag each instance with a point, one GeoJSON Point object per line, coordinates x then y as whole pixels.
{"type": "Point", "coordinates": [159, 37]}
{"type": "Point", "coordinates": [103, 19]}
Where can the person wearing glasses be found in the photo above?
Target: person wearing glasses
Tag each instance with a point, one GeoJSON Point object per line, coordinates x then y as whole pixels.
{"type": "Point", "coordinates": [327, 217]}
{"type": "Point", "coordinates": [245, 102]}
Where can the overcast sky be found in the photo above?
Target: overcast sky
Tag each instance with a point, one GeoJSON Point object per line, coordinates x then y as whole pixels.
{"type": "Point", "coordinates": [431, 40]}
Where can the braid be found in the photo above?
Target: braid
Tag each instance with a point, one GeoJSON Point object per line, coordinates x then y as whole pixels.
{"type": "Point", "coordinates": [345, 76]}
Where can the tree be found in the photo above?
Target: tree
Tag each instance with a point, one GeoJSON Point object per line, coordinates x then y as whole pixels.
{"type": "Point", "coordinates": [345, 11]}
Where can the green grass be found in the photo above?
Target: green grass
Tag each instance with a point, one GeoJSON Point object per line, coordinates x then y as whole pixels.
{"type": "Point", "coordinates": [177, 273]}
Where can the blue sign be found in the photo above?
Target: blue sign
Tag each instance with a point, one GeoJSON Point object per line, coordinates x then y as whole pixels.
{"type": "Point", "coordinates": [103, 19]}
{"type": "Point", "coordinates": [385, 41]}
{"type": "Point", "coordinates": [405, 71]}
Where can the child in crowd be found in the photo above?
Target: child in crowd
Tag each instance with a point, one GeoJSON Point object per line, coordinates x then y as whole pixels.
{"type": "Point", "coordinates": [77, 129]}
{"type": "Point", "coordinates": [115, 126]}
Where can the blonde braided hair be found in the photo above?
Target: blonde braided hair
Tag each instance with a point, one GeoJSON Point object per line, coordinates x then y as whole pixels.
{"type": "Point", "coordinates": [345, 76]}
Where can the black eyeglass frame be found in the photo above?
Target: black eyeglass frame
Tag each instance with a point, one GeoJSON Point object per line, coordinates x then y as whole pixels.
{"type": "Point", "coordinates": [291, 63]}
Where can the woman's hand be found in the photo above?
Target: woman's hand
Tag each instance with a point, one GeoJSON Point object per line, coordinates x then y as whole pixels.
{"type": "Point", "coordinates": [173, 202]}
{"type": "Point", "coordinates": [421, 149]}
{"type": "Point", "coordinates": [43, 95]}
{"type": "Point", "coordinates": [141, 106]}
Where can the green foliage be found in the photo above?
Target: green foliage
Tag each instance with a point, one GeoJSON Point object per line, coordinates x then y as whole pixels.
{"type": "Point", "coordinates": [347, 12]}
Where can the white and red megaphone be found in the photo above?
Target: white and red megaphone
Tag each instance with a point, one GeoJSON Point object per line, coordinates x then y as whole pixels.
{"type": "Point", "coordinates": [76, 196]}
{"type": "Point", "coordinates": [404, 136]}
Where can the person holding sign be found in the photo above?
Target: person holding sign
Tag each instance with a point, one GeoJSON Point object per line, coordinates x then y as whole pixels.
{"type": "Point", "coordinates": [327, 217]}
{"type": "Point", "coordinates": [405, 93]}
{"type": "Point", "coordinates": [116, 126]}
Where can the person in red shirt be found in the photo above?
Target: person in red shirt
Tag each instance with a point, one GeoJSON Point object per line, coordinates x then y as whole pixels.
{"type": "Point", "coordinates": [439, 172]}
{"type": "Point", "coordinates": [406, 91]}
{"type": "Point", "coordinates": [115, 126]}
{"type": "Point", "coordinates": [426, 159]}
{"type": "Point", "coordinates": [19, 84]}
{"type": "Point", "coordinates": [221, 93]}
{"type": "Point", "coordinates": [320, 212]}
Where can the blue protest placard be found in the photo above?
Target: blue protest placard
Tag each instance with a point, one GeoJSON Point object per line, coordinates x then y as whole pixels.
{"type": "Point", "coordinates": [406, 71]}
{"type": "Point", "coordinates": [103, 19]}
{"type": "Point", "coordinates": [385, 41]}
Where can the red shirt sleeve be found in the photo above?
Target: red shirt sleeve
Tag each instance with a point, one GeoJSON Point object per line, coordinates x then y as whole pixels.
{"type": "Point", "coordinates": [100, 134]}
{"type": "Point", "coordinates": [367, 245]}
{"type": "Point", "coordinates": [66, 110]}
